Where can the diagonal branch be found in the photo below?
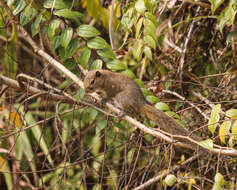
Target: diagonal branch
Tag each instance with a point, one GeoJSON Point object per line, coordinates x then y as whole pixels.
{"type": "Point", "coordinates": [69, 74]}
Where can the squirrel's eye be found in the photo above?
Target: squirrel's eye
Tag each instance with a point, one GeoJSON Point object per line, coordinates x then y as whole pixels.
{"type": "Point", "coordinates": [93, 81]}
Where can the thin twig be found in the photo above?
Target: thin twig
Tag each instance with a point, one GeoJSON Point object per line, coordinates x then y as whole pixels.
{"type": "Point", "coordinates": [111, 16]}
{"type": "Point", "coordinates": [190, 103]}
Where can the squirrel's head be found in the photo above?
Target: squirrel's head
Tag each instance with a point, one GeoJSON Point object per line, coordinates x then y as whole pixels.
{"type": "Point", "coordinates": [93, 81]}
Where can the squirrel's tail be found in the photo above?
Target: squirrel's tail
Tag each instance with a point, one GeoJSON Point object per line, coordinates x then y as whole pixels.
{"type": "Point", "coordinates": [166, 122]}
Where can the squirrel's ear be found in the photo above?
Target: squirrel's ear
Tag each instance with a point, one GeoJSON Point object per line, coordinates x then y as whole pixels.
{"type": "Point", "coordinates": [97, 73]}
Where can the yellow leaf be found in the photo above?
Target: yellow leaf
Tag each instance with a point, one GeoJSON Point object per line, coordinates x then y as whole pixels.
{"type": "Point", "coordinates": [2, 165]}
{"type": "Point", "coordinates": [224, 130]}
{"type": "Point", "coordinates": [15, 119]}
{"type": "Point", "coordinates": [208, 144]}
{"type": "Point", "coordinates": [234, 130]}
{"type": "Point", "coordinates": [214, 118]}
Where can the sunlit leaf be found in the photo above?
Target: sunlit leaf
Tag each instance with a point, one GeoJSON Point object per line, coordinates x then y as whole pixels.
{"type": "Point", "coordinates": [208, 144]}
{"type": "Point", "coordinates": [148, 53]}
{"type": "Point", "coordinates": [170, 180]}
{"type": "Point", "coordinates": [232, 113]}
{"type": "Point", "coordinates": [151, 17]}
{"type": "Point", "coordinates": [20, 5]}
{"type": "Point", "coordinates": [87, 31]}
{"type": "Point", "coordinates": [162, 106]}
{"type": "Point", "coordinates": [140, 6]}
{"type": "Point", "coordinates": [138, 27]}
{"type": "Point", "coordinates": [150, 29]}
{"type": "Point", "coordinates": [137, 50]}
{"type": "Point", "coordinates": [214, 119]}
{"type": "Point", "coordinates": [150, 41]}
{"type": "Point", "coordinates": [224, 130]}
{"type": "Point", "coordinates": [15, 119]}
{"type": "Point", "coordinates": [152, 99]}
{"type": "Point", "coordinates": [215, 4]}
{"type": "Point", "coordinates": [57, 4]}
{"type": "Point", "coordinates": [219, 179]}
{"type": "Point", "coordinates": [234, 130]}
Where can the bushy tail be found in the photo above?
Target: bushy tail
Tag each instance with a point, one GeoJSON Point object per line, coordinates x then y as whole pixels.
{"type": "Point", "coordinates": [166, 122]}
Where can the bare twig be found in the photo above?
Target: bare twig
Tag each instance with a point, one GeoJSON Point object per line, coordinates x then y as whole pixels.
{"type": "Point", "coordinates": [111, 16]}
{"type": "Point", "coordinates": [190, 103]}
{"type": "Point", "coordinates": [180, 71]}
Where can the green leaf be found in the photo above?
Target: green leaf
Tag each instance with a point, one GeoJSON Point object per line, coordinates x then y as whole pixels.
{"type": "Point", "coordinates": [150, 41]}
{"type": "Point", "coordinates": [140, 6]}
{"type": "Point", "coordinates": [92, 115]}
{"type": "Point", "coordinates": [66, 37]}
{"type": "Point", "coordinates": [148, 53]}
{"type": "Point", "coordinates": [152, 18]}
{"type": "Point", "coordinates": [101, 125]}
{"type": "Point", "coordinates": [232, 113]}
{"type": "Point", "coordinates": [97, 64]}
{"type": "Point", "coordinates": [116, 65]}
{"type": "Point", "coordinates": [214, 119]}
{"type": "Point", "coordinates": [173, 114]}
{"type": "Point", "coordinates": [20, 5]}
{"type": "Point", "coordinates": [224, 130]}
{"type": "Point", "coordinates": [84, 58]}
{"type": "Point", "coordinates": [97, 43]}
{"type": "Point", "coordinates": [87, 31]}
{"type": "Point", "coordinates": [162, 106]}
{"type": "Point", "coordinates": [54, 24]}
{"type": "Point", "coordinates": [72, 47]}
{"type": "Point", "coordinates": [215, 4]}
{"type": "Point", "coordinates": [138, 27]}
{"type": "Point", "coordinates": [35, 25]}
{"type": "Point", "coordinates": [137, 50]}
{"type": "Point", "coordinates": [170, 180]}
{"type": "Point", "coordinates": [217, 187]}
{"type": "Point", "coordinates": [208, 144]}
{"type": "Point", "coordinates": [67, 13]}
{"type": "Point", "coordinates": [107, 53]}
{"type": "Point", "coordinates": [55, 42]}
{"type": "Point", "coordinates": [27, 15]}
{"type": "Point", "coordinates": [129, 73]}
{"type": "Point", "coordinates": [58, 4]}
{"type": "Point", "coordinates": [227, 16]}
{"type": "Point", "coordinates": [219, 179]}
{"type": "Point", "coordinates": [152, 99]}
{"type": "Point", "coordinates": [150, 29]}
{"type": "Point", "coordinates": [146, 92]}
{"type": "Point", "coordinates": [234, 130]}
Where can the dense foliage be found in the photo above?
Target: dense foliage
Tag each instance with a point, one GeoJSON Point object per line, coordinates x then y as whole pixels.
{"type": "Point", "coordinates": [181, 53]}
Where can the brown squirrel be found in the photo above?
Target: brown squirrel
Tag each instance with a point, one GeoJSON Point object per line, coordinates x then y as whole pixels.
{"type": "Point", "coordinates": [128, 97]}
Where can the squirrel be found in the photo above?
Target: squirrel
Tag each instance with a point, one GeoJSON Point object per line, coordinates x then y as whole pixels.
{"type": "Point", "coordinates": [127, 96]}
